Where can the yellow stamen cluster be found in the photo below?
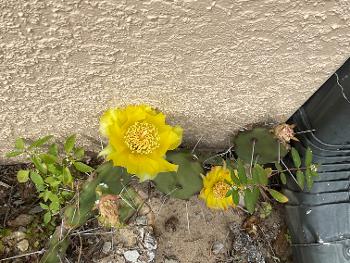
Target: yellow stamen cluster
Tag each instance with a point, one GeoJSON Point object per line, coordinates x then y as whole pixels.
{"type": "Point", "coordinates": [220, 189]}
{"type": "Point", "coordinates": [142, 138]}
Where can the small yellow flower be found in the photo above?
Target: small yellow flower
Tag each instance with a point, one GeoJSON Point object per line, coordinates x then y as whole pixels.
{"type": "Point", "coordinates": [139, 139]}
{"type": "Point", "coordinates": [215, 188]}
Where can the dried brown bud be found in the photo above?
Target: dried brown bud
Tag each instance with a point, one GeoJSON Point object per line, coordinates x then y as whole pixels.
{"type": "Point", "coordinates": [284, 133]}
{"type": "Point", "coordinates": [108, 207]}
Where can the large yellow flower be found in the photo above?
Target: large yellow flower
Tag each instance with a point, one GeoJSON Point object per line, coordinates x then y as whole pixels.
{"type": "Point", "coordinates": [215, 188]}
{"type": "Point", "coordinates": [139, 139]}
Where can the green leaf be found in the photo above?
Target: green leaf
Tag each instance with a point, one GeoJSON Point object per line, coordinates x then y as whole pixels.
{"type": "Point", "coordinates": [36, 179]}
{"type": "Point", "coordinates": [79, 153]}
{"type": "Point", "coordinates": [54, 169]}
{"type": "Point", "coordinates": [314, 173]}
{"type": "Point", "coordinates": [229, 192]}
{"type": "Point", "coordinates": [278, 196]}
{"type": "Point", "coordinates": [308, 157]}
{"type": "Point", "coordinates": [22, 176]}
{"type": "Point", "coordinates": [301, 179]}
{"type": "Point", "coordinates": [66, 194]}
{"type": "Point", "coordinates": [39, 165]}
{"type": "Point", "coordinates": [235, 197]}
{"type": "Point", "coordinates": [251, 198]}
{"type": "Point", "coordinates": [283, 178]}
{"type": "Point", "coordinates": [19, 144]}
{"type": "Point", "coordinates": [241, 172]}
{"type": "Point", "coordinates": [43, 206]}
{"type": "Point", "coordinates": [296, 157]}
{"type": "Point", "coordinates": [40, 142]}
{"type": "Point", "coordinates": [67, 176]}
{"type": "Point", "coordinates": [54, 206]}
{"type": "Point", "coordinates": [53, 198]}
{"type": "Point", "coordinates": [234, 178]}
{"type": "Point", "coordinates": [53, 149]}
{"type": "Point", "coordinates": [52, 182]}
{"type": "Point", "coordinates": [13, 154]}
{"type": "Point", "coordinates": [278, 167]}
{"type": "Point", "coordinates": [48, 158]}
{"type": "Point", "coordinates": [227, 182]}
{"type": "Point", "coordinates": [309, 180]}
{"type": "Point", "coordinates": [47, 217]}
{"type": "Point", "coordinates": [46, 195]}
{"type": "Point", "coordinates": [259, 175]}
{"type": "Point", "coordinates": [69, 143]}
{"type": "Point", "coordinates": [82, 167]}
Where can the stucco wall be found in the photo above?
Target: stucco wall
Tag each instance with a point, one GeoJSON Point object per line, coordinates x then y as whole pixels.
{"type": "Point", "coordinates": [212, 66]}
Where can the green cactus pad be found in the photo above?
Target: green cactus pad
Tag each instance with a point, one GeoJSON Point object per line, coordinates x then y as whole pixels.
{"type": "Point", "coordinates": [184, 183]}
{"type": "Point", "coordinates": [266, 148]}
{"type": "Point", "coordinates": [114, 177]}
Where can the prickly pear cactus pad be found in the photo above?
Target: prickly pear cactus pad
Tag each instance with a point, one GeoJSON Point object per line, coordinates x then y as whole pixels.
{"type": "Point", "coordinates": [184, 183]}
{"type": "Point", "coordinates": [114, 177]}
{"type": "Point", "coordinates": [261, 143]}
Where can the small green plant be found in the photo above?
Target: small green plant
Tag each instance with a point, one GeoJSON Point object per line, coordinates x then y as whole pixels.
{"type": "Point", "coordinates": [304, 175]}
{"type": "Point", "coordinates": [250, 182]}
{"type": "Point", "coordinates": [52, 172]}
{"type": "Point", "coordinates": [259, 150]}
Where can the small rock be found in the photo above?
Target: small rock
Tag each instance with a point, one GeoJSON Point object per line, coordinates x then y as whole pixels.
{"type": "Point", "coordinates": [22, 229]}
{"type": "Point", "coordinates": [171, 259]}
{"type": "Point", "coordinates": [250, 225]}
{"type": "Point", "coordinates": [131, 255]}
{"type": "Point", "coordinates": [18, 202]}
{"type": "Point", "coordinates": [141, 221]}
{"type": "Point", "coordinates": [21, 220]}
{"type": "Point", "coordinates": [112, 259]}
{"type": "Point", "coordinates": [171, 223]}
{"type": "Point", "coordinates": [127, 237]}
{"type": "Point", "coordinates": [107, 247]}
{"type": "Point", "coordinates": [149, 242]}
{"type": "Point", "coordinates": [23, 245]}
{"type": "Point", "coordinates": [18, 236]}
{"type": "Point", "coordinates": [217, 247]}
{"type": "Point", "coordinates": [35, 210]}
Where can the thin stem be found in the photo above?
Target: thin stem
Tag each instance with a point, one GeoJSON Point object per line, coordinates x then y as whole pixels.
{"type": "Point", "coordinates": [290, 173]}
{"type": "Point", "coordinates": [24, 255]}
{"type": "Point", "coordinates": [286, 170]}
{"type": "Point", "coordinates": [306, 131]}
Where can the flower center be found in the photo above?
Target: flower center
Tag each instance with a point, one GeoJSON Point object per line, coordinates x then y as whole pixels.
{"type": "Point", "coordinates": [220, 189]}
{"type": "Point", "coordinates": [142, 138]}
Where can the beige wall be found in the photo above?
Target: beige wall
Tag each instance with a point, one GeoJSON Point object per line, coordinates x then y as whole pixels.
{"type": "Point", "coordinates": [212, 66]}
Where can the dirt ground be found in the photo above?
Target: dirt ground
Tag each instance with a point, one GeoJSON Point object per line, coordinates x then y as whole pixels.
{"type": "Point", "coordinates": [183, 232]}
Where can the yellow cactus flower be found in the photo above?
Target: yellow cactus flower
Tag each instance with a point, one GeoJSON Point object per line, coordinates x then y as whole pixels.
{"type": "Point", "coordinates": [139, 139]}
{"type": "Point", "coordinates": [215, 188]}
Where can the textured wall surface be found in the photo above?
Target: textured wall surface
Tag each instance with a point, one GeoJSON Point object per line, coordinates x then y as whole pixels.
{"type": "Point", "coordinates": [212, 66]}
